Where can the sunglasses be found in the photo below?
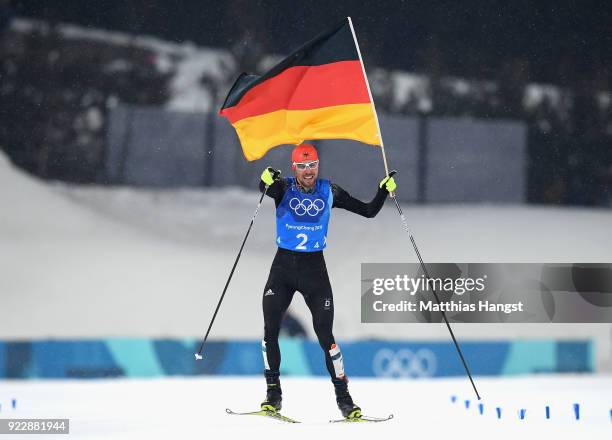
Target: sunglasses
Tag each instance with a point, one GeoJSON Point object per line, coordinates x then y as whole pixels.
{"type": "Point", "coordinates": [310, 165]}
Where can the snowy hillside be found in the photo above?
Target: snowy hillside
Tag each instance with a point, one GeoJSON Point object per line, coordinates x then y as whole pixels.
{"type": "Point", "coordinates": [191, 63]}
{"type": "Point", "coordinates": [99, 262]}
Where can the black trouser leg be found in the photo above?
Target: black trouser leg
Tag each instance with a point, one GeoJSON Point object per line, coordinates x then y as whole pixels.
{"type": "Point", "coordinates": [316, 288]}
{"type": "Point", "coordinates": [277, 296]}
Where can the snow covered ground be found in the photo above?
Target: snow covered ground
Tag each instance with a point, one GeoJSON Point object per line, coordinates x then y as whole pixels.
{"type": "Point", "coordinates": [195, 408]}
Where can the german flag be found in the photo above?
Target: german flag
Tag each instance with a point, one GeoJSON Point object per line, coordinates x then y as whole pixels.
{"type": "Point", "coordinates": [318, 92]}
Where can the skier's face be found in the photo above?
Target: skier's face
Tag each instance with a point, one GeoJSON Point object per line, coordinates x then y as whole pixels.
{"type": "Point", "coordinates": [306, 175]}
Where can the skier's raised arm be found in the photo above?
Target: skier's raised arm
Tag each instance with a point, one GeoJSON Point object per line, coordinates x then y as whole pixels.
{"type": "Point", "coordinates": [344, 200]}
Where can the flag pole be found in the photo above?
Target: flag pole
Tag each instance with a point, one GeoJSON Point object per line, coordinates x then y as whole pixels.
{"type": "Point", "coordinates": [403, 217]}
{"type": "Point", "coordinates": [365, 76]}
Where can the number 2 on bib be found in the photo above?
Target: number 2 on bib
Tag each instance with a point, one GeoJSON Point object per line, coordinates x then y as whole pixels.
{"type": "Point", "coordinates": [304, 238]}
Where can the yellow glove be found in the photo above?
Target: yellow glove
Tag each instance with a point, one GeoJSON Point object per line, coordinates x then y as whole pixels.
{"type": "Point", "coordinates": [389, 183]}
{"type": "Point", "coordinates": [269, 175]}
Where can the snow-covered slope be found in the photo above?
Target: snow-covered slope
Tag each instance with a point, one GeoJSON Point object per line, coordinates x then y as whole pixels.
{"type": "Point", "coordinates": [193, 408]}
{"type": "Point", "coordinates": [96, 262]}
{"type": "Point", "coordinates": [69, 271]}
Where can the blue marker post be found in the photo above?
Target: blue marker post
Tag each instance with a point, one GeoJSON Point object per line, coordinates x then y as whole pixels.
{"type": "Point", "coordinates": [467, 404]}
{"type": "Point", "coordinates": [14, 403]}
{"type": "Point", "coordinates": [522, 413]}
{"type": "Point", "coordinates": [498, 411]}
{"type": "Point", "coordinates": [481, 408]}
{"type": "Point", "coordinates": [577, 410]}
{"type": "Point", "coordinates": [547, 412]}
{"type": "Point", "coordinates": [453, 399]}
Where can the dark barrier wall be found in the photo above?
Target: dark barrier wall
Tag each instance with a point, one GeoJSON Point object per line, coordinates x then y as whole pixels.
{"type": "Point", "coordinates": [471, 160]}
{"type": "Point", "coordinates": [439, 159]}
{"type": "Point", "coordinates": [151, 147]}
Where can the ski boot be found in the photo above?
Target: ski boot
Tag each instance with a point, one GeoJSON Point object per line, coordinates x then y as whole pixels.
{"type": "Point", "coordinates": [344, 400]}
{"type": "Point", "coordinates": [274, 394]}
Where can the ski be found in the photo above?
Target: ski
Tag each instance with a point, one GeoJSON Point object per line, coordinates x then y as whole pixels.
{"type": "Point", "coordinates": [363, 419]}
{"type": "Point", "coordinates": [282, 418]}
{"type": "Point", "coordinates": [264, 413]}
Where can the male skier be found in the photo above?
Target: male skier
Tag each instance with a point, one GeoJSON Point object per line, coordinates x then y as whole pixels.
{"type": "Point", "coordinates": [303, 207]}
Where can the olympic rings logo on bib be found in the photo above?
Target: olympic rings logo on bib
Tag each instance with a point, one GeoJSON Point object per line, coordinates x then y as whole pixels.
{"type": "Point", "coordinates": [306, 206]}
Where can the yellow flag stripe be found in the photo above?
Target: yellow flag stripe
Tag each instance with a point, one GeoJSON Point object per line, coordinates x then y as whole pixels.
{"type": "Point", "coordinates": [260, 133]}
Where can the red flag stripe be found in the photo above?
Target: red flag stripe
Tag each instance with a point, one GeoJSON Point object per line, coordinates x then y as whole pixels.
{"type": "Point", "coordinates": [304, 88]}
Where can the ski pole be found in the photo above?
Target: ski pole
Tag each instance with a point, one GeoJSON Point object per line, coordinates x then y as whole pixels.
{"type": "Point", "coordinates": [399, 209]}
{"type": "Point", "coordinates": [416, 250]}
{"type": "Point", "coordinates": [198, 355]}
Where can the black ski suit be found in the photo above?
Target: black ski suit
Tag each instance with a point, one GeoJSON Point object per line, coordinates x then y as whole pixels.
{"type": "Point", "coordinates": [306, 273]}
